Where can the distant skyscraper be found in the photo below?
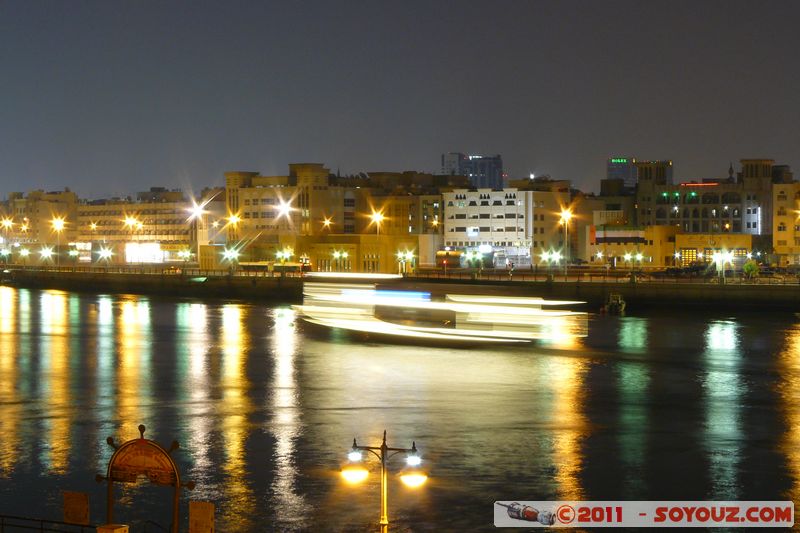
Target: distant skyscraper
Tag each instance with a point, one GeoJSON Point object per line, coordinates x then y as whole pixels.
{"type": "Point", "coordinates": [483, 171]}
{"type": "Point", "coordinates": [623, 168]}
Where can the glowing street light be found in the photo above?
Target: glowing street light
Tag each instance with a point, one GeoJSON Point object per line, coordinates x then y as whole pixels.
{"type": "Point", "coordinates": [58, 226]}
{"type": "Point", "coordinates": [405, 258]}
{"type": "Point", "coordinates": [377, 217]}
{"type": "Point", "coordinates": [46, 253]}
{"type": "Point", "coordinates": [338, 256]}
{"type": "Point", "coordinates": [104, 254]}
{"type": "Point", "coordinates": [412, 476]}
{"type": "Point", "coordinates": [284, 208]}
{"type": "Point", "coordinates": [7, 224]}
{"type": "Point", "coordinates": [197, 211]}
{"type": "Point", "coordinates": [230, 254]}
{"type": "Point", "coordinates": [566, 216]}
{"type": "Point", "coordinates": [326, 223]}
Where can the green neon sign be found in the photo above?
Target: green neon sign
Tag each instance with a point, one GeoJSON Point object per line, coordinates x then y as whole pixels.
{"type": "Point", "coordinates": [618, 160]}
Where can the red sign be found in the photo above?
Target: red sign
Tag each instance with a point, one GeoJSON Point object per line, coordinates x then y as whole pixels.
{"type": "Point", "coordinates": [142, 457]}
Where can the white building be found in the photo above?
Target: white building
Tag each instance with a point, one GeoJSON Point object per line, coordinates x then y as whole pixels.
{"type": "Point", "coordinates": [511, 223]}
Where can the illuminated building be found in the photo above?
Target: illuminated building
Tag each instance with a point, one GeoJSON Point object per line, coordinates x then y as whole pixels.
{"type": "Point", "coordinates": [653, 172]}
{"type": "Point", "coordinates": [32, 215]}
{"type": "Point", "coordinates": [738, 204]}
{"type": "Point", "coordinates": [786, 222]}
{"type": "Point", "coordinates": [152, 230]}
{"type": "Point", "coordinates": [622, 168]}
{"type": "Point", "coordinates": [609, 244]}
{"type": "Point", "coordinates": [483, 171]}
{"type": "Point", "coordinates": [700, 248]}
{"type": "Point", "coordinates": [509, 222]}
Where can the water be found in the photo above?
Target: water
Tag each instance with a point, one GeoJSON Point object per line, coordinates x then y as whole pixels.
{"type": "Point", "coordinates": [667, 406]}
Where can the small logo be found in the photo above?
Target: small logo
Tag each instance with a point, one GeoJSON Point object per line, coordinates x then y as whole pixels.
{"type": "Point", "coordinates": [565, 514]}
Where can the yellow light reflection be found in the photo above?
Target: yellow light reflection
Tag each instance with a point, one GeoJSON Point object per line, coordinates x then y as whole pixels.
{"type": "Point", "coordinates": [285, 425]}
{"type": "Point", "coordinates": [54, 357]}
{"type": "Point", "coordinates": [192, 322]}
{"type": "Point", "coordinates": [104, 320]}
{"type": "Point", "coordinates": [723, 389]}
{"type": "Point", "coordinates": [12, 409]}
{"type": "Point", "coordinates": [133, 374]}
{"type": "Point", "coordinates": [789, 370]}
{"type": "Point", "coordinates": [566, 377]}
{"type": "Point", "coordinates": [354, 474]}
{"type": "Point", "coordinates": [236, 407]}
{"type": "Point", "coordinates": [414, 479]}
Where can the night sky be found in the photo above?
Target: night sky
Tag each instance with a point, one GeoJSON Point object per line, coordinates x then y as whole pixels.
{"type": "Point", "coordinates": [113, 97]}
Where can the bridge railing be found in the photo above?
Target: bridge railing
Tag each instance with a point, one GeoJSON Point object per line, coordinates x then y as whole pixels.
{"type": "Point", "coordinates": [12, 524]}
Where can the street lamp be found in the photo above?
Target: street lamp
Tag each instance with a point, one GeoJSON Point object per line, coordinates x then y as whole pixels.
{"type": "Point", "coordinates": [566, 215]}
{"type": "Point", "coordinates": [231, 255]}
{"type": "Point", "coordinates": [283, 255]}
{"type": "Point", "coordinates": [629, 258]}
{"type": "Point", "coordinates": [377, 217]}
{"type": "Point", "coordinates": [7, 224]}
{"type": "Point", "coordinates": [185, 255]}
{"type": "Point", "coordinates": [412, 476]}
{"type": "Point", "coordinates": [404, 258]}
{"type": "Point", "coordinates": [104, 255]}
{"type": "Point", "coordinates": [326, 223]}
{"type": "Point", "coordinates": [46, 253]}
{"type": "Point", "coordinates": [336, 255]}
{"type": "Point", "coordinates": [58, 226]}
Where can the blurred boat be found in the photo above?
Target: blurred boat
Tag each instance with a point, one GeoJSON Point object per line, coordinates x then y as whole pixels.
{"type": "Point", "coordinates": [455, 318]}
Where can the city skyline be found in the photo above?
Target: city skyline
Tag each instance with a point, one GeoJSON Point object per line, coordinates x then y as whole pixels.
{"type": "Point", "coordinates": [107, 96]}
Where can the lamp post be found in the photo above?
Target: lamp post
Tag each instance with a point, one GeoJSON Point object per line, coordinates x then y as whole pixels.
{"type": "Point", "coordinates": [283, 255]}
{"type": "Point", "coordinates": [231, 255]}
{"type": "Point", "coordinates": [377, 217]}
{"type": "Point", "coordinates": [58, 226]}
{"type": "Point", "coordinates": [566, 215]}
{"type": "Point", "coordinates": [412, 476]}
{"type": "Point", "coordinates": [7, 224]}
{"type": "Point", "coordinates": [336, 255]}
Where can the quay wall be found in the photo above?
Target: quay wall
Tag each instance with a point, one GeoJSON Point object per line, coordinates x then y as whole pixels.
{"type": "Point", "coordinates": [638, 296]}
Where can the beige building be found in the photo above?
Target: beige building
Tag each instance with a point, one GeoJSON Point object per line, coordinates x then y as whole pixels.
{"type": "Point", "coordinates": [700, 248]}
{"type": "Point", "coordinates": [154, 229]}
{"type": "Point", "coordinates": [786, 223]}
{"type": "Point", "coordinates": [619, 246]}
{"type": "Point", "coordinates": [31, 217]}
{"type": "Point", "coordinates": [385, 253]}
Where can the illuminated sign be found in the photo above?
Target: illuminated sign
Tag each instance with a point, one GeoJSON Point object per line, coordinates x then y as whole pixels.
{"type": "Point", "coordinates": [619, 160]}
{"type": "Point", "coordinates": [144, 252]}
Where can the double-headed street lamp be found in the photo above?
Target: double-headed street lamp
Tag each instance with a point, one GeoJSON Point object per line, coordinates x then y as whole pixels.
{"type": "Point", "coordinates": [338, 256]}
{"type": "Point", "coordinates": [412, 476]}
{"type": "Point", "coordinates": [404, 259]}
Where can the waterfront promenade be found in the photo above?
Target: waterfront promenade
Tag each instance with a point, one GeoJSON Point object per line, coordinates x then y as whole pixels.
{"type": "Point", "coordinates": [644, 290]}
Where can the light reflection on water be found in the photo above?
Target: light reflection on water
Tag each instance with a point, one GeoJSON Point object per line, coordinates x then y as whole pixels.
{"type": "Point", "coordinates": [265, 409]}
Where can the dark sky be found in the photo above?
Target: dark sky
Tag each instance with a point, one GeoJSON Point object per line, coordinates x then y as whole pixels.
{"type": "Point", "coordinates": [111, 97]}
